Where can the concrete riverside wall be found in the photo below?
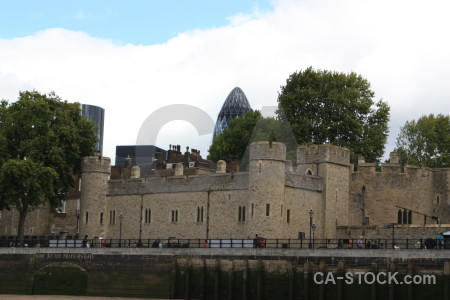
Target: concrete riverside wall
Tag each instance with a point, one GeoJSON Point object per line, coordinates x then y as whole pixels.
{"type": "Point", "coordinates": [218, 273]}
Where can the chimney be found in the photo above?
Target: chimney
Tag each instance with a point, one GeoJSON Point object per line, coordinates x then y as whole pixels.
{"type": "Point", "coordinates": [179, 170]}
{"type": "Point", "coordinates": [221, 166]}
{"type": "Point", "coordinates": [128, 161]}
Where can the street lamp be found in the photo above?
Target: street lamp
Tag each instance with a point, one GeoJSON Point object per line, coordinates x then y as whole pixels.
{"type": "Point", "coordinates": [313, 231]}
{"type": "Point", "coordinates": [77, 212]}
{"type": "Point", "coordinates": [120, 229]}
{"type": "Point", "coordinates": [311, 213]}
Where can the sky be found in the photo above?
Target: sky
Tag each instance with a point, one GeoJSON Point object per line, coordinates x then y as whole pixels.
{"type": "Point", "coordinates": [138, 58]}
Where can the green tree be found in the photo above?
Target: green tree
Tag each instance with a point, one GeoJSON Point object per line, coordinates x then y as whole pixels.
{"type": "Point", "coordinates": [242, 131]}
{"type": "Point", "coordinates": [335, 108]}
{"type": "Point", "coordinates": [425, 142]}
{"type": "Point", "coordinates": [43, 140]}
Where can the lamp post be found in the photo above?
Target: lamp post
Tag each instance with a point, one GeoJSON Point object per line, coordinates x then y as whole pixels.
{"type": "Point", "coordinates": [313, 231]}
{"type": "Point", "coordinates": [311, 213]}
{"type": "Point", "coordinates": [120, 229]}
{"type": "Point", "coordinates": [77, 212]}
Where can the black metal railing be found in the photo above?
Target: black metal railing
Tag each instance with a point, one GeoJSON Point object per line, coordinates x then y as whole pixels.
{"type": "Point", "coordinates": [75, 242]}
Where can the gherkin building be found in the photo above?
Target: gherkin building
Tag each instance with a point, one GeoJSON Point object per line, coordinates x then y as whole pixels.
{"type": "Point", "coordinates": [235, 105]}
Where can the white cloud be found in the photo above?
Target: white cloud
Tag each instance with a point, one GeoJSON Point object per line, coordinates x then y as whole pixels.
{"type": "Point", "coordinates": [399, 46]}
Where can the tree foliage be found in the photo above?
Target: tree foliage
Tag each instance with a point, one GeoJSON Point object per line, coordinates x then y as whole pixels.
{"type": "Point", "coordinates": [243, 130]}
{"type": "Point", "coordinates": [425, 142]}
{"type": "Point", "coordinates": [42, 142]}
{"type": "Point", "coordinates": [335, 108]}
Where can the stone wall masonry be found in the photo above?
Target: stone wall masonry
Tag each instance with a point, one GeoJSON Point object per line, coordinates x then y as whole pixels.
{"type": "Point", "coordinates": [335, 197]}
{"type": "Point", "coordinates": [415, 189]}
{"type": "Point", "coordinates": [299, 202]}
{"type": "Point", "coordinates": [307, 182]}
{"type": "Point", "coordinates": [177, 184]}
{"type": "Point", "coordinates": [217, 273]}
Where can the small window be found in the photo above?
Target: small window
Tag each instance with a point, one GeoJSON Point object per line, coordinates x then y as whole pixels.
{"type": "Point", "coordinates": [239, 214]}
{"type": "Point", "coordinates": [437, 200]}
{"type": "Point", "coordinates": [243, 214]}
{"type": "Point", "coordinates": [148, 216]}
{"type": "Point", "coordinates": [174, 216]}
{"type": "Point", "coordinates": [87, 217]}
{"type": "Point", "coordinates": [288, 216]}
{"type": "Point", "coordinates": [101, 218]}
{"type": "Point", "coordinates": [112, 217]}
{"type": "Point", "coordinates": [409, 217]}
{"type": "Point", "coordinates": [399, 217]}
{"type": "Point", "coordinates": [199, 214]}
{"type": "Point", "coordinates": [308, 172]}
{"type": "Point", "coordinates": [191, 164]}
{"type": "Point", "coordinates": [366, 221]}
{"type": "Point", "coordinates": [267, 209]}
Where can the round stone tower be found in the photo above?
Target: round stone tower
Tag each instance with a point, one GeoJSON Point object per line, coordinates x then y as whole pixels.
{"type": "Point", "coordinates": [95, 172]}
{"type": "Point", "coordinates": [266, 189]}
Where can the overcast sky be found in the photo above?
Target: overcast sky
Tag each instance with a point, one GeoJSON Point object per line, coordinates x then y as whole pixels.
{"type": "Point", "coordinates": [133, 57]}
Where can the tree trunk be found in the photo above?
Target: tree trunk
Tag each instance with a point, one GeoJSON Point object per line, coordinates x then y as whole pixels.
{"type": "Point", "coordinates": [22, 216]}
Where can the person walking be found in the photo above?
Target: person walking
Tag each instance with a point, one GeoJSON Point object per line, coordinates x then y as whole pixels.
{"type": "Point", "coordinates": [440, 240]}
{"type": "Point", "coordinates": [85, 241]}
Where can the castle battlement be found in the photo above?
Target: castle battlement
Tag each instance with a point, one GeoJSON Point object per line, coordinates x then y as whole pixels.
{"type": "Point", "coordinates": [96, 164]}
{"type": "Point", "coordinates": [179, 184]}
{"type": "Point", "coordinates": [323, 153]}
{"type": "Point", "coordinates": [268, 151]}
{"type": "Point", "coordinates": [370, 169]}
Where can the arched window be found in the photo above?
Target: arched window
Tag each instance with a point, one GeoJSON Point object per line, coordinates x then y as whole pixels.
{"type": "Point", "coordinates": [399, 217]}
{"type": "Point", "coordinates": [309, 172]}
{"type": "Point", "coordinates": [405, 217]}
{"type": "Point", "coordinates": [409, 217]}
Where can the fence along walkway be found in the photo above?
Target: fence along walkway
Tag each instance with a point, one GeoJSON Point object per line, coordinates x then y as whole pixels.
{"type": "Point", "coordinates": [234, 243]}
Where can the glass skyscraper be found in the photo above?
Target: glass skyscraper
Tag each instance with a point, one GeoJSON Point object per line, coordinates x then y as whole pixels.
{"type": "Point", "coordinates": [97, 115]}
{"type": "Point", "coordinates": [235, 105]}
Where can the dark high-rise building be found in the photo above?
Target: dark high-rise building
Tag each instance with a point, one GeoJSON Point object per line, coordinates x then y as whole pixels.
{"type": "Point", "coordinates": [140, 154]}
{"type": "Point", "coordinates": [235, 105]}
{"type": "Point", "coordinates": [97, 115]}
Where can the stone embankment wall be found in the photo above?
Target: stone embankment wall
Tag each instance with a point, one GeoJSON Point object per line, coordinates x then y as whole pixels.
{"type": "Point", "coordinates": [218, 273]}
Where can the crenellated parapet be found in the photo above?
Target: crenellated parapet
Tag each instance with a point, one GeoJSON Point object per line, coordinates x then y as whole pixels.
{"type": "Point", "coordinates": [323, 153]}
{"type": "Point", "coordinates": [96, 164]}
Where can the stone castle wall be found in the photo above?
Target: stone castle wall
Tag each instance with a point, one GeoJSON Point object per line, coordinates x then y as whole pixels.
{"type": "Point", "coordinates": [271, 199]}
{"type": "Point", "coordinates": [417, 189]}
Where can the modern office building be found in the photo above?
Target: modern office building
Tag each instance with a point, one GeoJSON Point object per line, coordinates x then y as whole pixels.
{"type": "Point", "coordinates": [235, 105]}
{"type": "Point", "coordinates": [140, 154]}
{"type": "Point", "coordinates": [97, 115]}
